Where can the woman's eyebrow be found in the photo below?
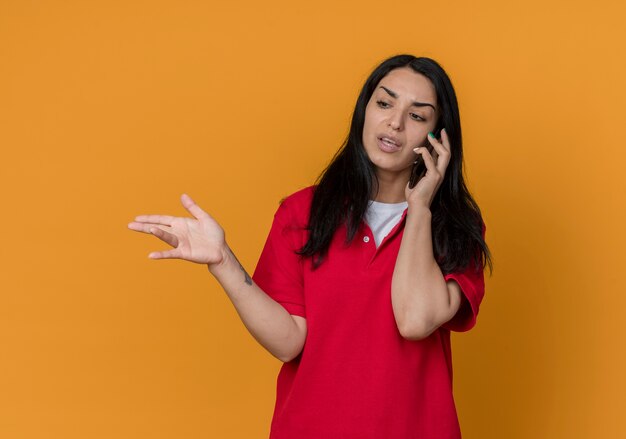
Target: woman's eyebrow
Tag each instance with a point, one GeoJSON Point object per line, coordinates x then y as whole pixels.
{"type": "Point", "coordinates": [393, 94]}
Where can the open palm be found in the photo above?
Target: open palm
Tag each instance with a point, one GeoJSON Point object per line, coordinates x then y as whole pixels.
{"type": "Point", "coordinates": [199, 239]}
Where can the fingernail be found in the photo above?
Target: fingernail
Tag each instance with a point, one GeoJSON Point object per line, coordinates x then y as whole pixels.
{"type": "Point", "coordinates": [431, 135]}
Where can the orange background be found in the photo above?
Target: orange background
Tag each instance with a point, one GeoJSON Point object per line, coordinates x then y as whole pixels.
{"type": "Point", "coordinates": [110, 109]}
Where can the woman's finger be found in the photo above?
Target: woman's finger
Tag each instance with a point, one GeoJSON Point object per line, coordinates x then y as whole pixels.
{"type": "Point", "coordinates": [144, 227]}
{"type": "Point", "coordinates": [167, 254]}
{"type": "Point", "coordinates": [156, 230]}
{"type": "Point", "coordinates": [165, 220]}
{"type": "Point", "coordinates": [435, 156]}
{"type": "Point", "coordinates": [428, 159]}
{"type": "Point", "coordinates": [445, 140]}
{"type": "Point", "coordinates": [192, 207]}
{"type": "Point", "coordinates": [442, 152]}
{"type": "Point", "coordinates": [167, 237]}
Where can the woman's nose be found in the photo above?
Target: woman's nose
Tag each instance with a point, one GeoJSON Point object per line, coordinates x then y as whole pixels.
{"type": "Point", "coordinates": [395, 121]}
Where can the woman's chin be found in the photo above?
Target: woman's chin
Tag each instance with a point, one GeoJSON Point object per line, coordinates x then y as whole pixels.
{"type": "Point", "coordinates": [393, 170]}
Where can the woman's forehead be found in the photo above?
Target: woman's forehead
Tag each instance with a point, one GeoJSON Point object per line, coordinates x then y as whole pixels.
{"type": "Point", "coordinates": [406, 83]}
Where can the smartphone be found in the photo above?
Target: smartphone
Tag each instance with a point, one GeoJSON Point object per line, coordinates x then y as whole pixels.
{"type": "Point", "coordinates": [419, 167]}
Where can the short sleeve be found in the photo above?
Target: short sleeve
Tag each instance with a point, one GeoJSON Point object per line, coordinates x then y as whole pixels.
{"type": "Point", "coordinates": [472, 283]}
{"type": "Point", "coordinates": [279, 272]}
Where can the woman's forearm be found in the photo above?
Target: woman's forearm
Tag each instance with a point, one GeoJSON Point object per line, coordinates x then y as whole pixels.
{"type": "Point", "coordinates": [419, 294]}
{"type": "Point", "coordinates": [268, 322]}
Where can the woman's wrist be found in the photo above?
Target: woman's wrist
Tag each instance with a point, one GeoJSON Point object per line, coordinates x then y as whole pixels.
{"type": "Point", "coordinates": [228, 266]}
{"type": "Point", "coordinates": [227, 257]}
{"type": "Point", "coordinates": [418, 211]}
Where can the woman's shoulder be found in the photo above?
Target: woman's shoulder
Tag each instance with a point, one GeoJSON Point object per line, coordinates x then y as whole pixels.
{"type": "Point", "coordinates": [300, 197]}
{"type": "Point", "coordinates": [297, 205]}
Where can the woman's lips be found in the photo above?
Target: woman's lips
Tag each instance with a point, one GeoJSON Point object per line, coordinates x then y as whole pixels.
{"type": "Point", "coordinates": [388, 145]}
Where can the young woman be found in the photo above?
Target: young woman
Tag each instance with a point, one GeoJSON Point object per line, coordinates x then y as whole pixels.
{"type": "Point", "coordinates": [363, 275]}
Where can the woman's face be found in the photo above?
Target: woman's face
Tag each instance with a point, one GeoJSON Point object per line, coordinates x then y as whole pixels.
{"type": "Point", "coordinates": [401, 112]}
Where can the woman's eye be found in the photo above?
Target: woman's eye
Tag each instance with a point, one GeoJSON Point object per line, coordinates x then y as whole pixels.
{"type": "Point", "coordinates": [382, 104]}
{"type": "Point", "coordinates": [416, 117]}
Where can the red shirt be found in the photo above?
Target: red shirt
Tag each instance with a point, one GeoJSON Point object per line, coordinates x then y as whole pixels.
{"type": "Point", "coordinates": [356, 376]}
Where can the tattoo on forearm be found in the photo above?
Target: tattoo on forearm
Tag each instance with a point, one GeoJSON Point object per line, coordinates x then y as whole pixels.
{"type": "Point", "coordinates": [247, 279]}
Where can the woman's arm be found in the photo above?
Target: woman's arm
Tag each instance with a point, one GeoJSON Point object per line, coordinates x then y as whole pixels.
{"type": "Point", "coordinates": [422, 300]}
{"type": "Point", "coordinates": [201, 240]}
{"type": "Point", "coordinates": [281, 333]}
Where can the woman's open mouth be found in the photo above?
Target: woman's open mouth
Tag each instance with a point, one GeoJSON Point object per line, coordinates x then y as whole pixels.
{"type": "Point", "coordinates": [387, 144]}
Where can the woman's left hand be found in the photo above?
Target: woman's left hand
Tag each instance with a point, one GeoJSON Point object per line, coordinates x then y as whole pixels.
{"type": "Point", "coordinates": [424, 191]}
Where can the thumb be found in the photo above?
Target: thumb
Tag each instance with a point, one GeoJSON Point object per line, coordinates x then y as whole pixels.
{"type": "Point", "coordinates": [192, 207]}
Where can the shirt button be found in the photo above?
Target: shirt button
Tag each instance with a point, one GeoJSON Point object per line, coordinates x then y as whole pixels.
{"type": "Point", "coordinates": [366, 239]}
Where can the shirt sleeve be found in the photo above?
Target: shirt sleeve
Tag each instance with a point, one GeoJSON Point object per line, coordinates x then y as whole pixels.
{"type": "Point", "coordinates": [279, 272]}
{"type": "Point", "coordinates": [472, 283]}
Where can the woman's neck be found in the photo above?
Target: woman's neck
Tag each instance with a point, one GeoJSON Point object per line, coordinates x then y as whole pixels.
{"type": "Point", "coordinates": [391, 186]}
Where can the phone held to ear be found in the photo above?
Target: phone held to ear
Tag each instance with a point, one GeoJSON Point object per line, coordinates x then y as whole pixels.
{"type": "Point", "coordinates": [419, 167]}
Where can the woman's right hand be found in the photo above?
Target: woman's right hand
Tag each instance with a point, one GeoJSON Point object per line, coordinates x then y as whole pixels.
{"type": "Point", "coordinates": [199, 239]}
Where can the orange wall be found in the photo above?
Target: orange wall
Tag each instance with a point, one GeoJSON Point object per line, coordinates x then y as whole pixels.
{"type": "Point", "coordinates": [109, 109]}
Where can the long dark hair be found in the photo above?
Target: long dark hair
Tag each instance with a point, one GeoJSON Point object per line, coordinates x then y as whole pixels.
{"type": "Point", "coordinates": [345, 187]}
